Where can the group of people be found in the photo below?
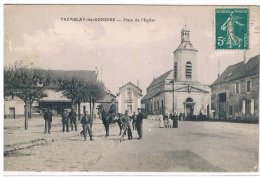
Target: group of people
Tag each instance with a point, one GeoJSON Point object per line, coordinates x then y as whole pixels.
{"type": "Point", "coordinates": [134, 122]}
{"type": "Point", "coordinates": [127, 122]}
{"type": "Point", "coordinates": [168, 120]}
{"type": "Point", "coordinates": [69, 118]}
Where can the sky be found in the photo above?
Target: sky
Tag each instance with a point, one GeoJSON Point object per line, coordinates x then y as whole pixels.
{"type": "Point", "coordinates": [122, 51]}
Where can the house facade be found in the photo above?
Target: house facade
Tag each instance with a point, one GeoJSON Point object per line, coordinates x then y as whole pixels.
{"type": "Point", "coordinates": [235, 93]}
{"type": "Point", "coordinates": [129, 98]}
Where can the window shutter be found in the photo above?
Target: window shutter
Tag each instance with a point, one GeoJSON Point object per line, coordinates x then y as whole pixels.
{"type": "Point", "coordinates": [244, 107]}
{"type": "Point", "coordinates": [252, 106]}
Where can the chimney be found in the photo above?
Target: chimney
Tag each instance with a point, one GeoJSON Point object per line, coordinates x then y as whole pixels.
{"type": "Point", "coordinates": [137, 83]}
{"type": "Point", "coordinates": [246, 56]}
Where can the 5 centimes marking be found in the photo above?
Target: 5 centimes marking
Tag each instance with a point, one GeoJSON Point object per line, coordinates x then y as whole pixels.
{"type": "Point", "coordinates": [231, 25]}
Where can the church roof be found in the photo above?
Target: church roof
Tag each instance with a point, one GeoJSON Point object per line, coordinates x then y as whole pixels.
{"type": "Point", "coordinates": [185, 45]}
{"type": "Point", "coordinates": [160, 79]}
{"type": "Point", "coordinates": [239, 71]}
{"type": "Point", "coordinates": [151, 94]}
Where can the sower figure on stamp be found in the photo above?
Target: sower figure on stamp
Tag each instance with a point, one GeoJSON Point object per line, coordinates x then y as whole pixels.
{"type": "Point", "coordinates": [112, 111]}
{"type": "Point", "coordinates": [139, 124]}
{"type": "Point", "coordinates": [229, 26]}
{"type": "Point", "coordinates": [73, 119]}
{"type": "Point", "coordinates": [86, 121]}
{"type": "Point", "coordinates": [48, 120]}
{"type": "Point", "coordinates": [65, 121]}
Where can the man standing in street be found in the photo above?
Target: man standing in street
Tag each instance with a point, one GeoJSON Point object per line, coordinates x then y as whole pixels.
{"type": "Point", "coordinates": [85, 121]}
{"type": "Point", "coordinates": [139, 124]}
{"type": "Point", "coordinates": [65, 121]}
{"type": "Point", "coordinates": [127, 125]}
{"type": "Point", "coordinates": [48, 120]}
{"type": "Point", "coordinates": [112, 111]}
{"type": "Point", "coordinates": [73, 119]}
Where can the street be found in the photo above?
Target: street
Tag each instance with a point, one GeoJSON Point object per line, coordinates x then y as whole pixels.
{"type": "Point", "coordinates": [193, 147]}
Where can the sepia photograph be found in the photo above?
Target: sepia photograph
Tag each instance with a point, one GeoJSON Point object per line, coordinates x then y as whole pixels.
{"type": "Point", "coordinates": [131, 88]}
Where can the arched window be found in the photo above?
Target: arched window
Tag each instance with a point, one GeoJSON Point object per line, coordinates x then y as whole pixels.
{"type": "Point", "coordinates": [188, 70]}
{"type": "Point", "coordinates": [189, 100]}
{"type": "Point", "coordinates": [162, 105]}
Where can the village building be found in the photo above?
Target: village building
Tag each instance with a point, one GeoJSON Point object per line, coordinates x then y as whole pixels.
{"type": "Point", "coordinates": [159, 96]}
{"type": "Point", "coordinates": [178, 90]}
{"type": "Point", "coordinates": [55, 100]}
{"type": "Point", "coordinates": [235, 93]}
{"type": "Point", "coordinates": [129, 98]}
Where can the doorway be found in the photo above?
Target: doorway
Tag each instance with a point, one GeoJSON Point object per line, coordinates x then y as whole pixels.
{"type": "Point", "coordinates": [12, 113]}
{"type": "Point", "coordinates": [222, 105]}
{"type": "Point", "coordinates": [189, 108]}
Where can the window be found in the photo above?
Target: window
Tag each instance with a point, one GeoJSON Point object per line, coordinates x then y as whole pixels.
{"type": "Point", "coordinates": [248, 107]}
{"type": "Point", "coordinates": [188, 70]}
{"type": "Point", "coordinates": [154, 104]}
{"type": "Point", "coordinates": [129, 94]}
{"type": "Point", "coordinates": [237, 88]}
{"type": "Point", "coordinates": [175, 70]}
{"type": "Point", "coordinates": [129, 108]}
{"type": "Point", "coordinates": [189, 100]}
{"type": "Point", "coordinates": [158, 105]}
{"type": "Point", "coordinates": [162, 105]}
{"type": "Point", "coordinates": [248, 85]}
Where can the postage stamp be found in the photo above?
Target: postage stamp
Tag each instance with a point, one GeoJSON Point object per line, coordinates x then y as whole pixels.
{"type": "Point", "coordinates": [231, 25]}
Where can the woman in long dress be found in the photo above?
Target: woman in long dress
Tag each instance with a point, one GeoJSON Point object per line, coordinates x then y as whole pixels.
{"type": "Point", "coordinates": [161, 122]}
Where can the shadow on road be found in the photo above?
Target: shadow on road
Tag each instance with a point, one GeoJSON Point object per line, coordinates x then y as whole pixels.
{"type": "Point", "coordinates": [183, 159]}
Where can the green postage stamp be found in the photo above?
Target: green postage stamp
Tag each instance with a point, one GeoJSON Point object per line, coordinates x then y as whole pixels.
{"type": "Point", "coordinates": [231, 28]}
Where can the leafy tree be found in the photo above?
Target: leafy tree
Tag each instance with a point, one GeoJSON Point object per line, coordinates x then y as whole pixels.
{"type": "Point", "coordinates": [96, 92]}
{"type": "Point", "coordinates": [80, 89]}
{"type": "Point", "coordinates": [72, 86]}
{"type": "Point", "coordinates": [25, 83]}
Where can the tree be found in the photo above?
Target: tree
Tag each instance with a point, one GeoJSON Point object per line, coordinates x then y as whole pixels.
{"type": "Point", "coordinates": [25, 83]}
{"type": "Point", "coordinates": [71, 87]}
{"type": "Point", "coordinates": [80, 89]}
{"type": "Point", "coordinates": [96, 92]}
{"type": "Point", "coordinates": [9, 80]}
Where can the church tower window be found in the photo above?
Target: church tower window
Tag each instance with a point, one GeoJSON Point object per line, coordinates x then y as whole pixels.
{"type": "Point", "coordinates": [188, 70]}
{"type": "Point", "coordinates": [175, 70]}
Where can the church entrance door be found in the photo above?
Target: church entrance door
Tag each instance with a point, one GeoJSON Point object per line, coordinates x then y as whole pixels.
{"type": "Point", "coordinates": [189, 107]}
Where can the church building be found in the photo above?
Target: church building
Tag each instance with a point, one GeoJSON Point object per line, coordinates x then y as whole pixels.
{"type": "Point", "coordinates": [180, 90]}
{"type": "Point", "coordinates": [190, 97]}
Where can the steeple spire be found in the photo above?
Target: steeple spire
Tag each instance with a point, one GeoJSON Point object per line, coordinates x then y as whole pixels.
{"type": "Point", "coordinates": [185, 34]}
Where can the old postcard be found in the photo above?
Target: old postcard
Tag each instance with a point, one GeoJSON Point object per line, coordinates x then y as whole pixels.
{"type": "Point", "coordinates": [131, 88]}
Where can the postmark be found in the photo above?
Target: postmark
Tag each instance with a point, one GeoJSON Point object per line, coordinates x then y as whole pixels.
{"type": "Point", "coordinates": [231, 28]}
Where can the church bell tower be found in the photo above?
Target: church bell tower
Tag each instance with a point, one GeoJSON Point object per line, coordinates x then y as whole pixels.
{"type": "Point", "coordinates": [185, 59]}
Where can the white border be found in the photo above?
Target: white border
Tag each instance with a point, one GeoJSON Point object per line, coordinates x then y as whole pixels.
{"type": "Point", "coordinates": [132, 2]}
